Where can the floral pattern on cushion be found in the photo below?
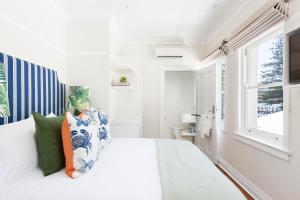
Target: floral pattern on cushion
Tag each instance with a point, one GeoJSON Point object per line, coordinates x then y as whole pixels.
{"type": "Point", "coordinates": [102, 121]}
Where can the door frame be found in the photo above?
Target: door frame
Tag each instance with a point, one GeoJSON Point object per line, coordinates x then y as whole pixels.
{"type": "Point", "coordinates": [162, 90]}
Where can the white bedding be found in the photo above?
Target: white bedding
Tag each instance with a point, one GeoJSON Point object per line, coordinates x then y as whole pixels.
{"type": "Point", "coordinates": [127, 169]}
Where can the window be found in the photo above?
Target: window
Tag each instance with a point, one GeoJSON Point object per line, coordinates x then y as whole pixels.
{"type": "Point", "coordinates": [261, 106]}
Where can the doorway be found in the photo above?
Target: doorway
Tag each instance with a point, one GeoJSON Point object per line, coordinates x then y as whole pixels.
{"type": "Point", "coordinates": [177, 98]}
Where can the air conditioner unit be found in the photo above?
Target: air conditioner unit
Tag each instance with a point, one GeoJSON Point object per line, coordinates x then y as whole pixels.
{"type": "Point", "coordinates": [169, 52]}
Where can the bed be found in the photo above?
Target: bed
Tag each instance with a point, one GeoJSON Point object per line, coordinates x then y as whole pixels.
{"type": "Point", "coordinates": [128, 169]}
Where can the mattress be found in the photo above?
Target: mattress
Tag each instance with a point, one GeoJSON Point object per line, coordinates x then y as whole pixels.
{"type": "Point", "coordinates": [130, 169]}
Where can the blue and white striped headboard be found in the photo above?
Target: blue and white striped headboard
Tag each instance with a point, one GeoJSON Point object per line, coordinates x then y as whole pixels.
{"type": "Point", "coordinates": [31, 88]}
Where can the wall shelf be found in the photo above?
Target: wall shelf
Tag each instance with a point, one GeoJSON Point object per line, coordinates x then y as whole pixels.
{"type": "Point", "coordinates": [116, 87]}
{"type": "Point", "coordinates": [188, 134]}
{"type": "Point", "coordinates": [117, 72]}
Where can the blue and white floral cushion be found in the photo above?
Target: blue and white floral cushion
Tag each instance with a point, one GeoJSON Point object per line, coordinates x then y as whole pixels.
{"type": "Point", "coordinates": [102, 121]}
{"type": "Point", "coordinates": [85, 144]}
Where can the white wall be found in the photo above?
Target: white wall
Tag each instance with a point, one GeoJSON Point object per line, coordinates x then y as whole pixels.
{"type": "Point", "coordinates": [152, 102]}
{"type": "Point", "coordinates": [88, 58]}
{"type": "Point", "coordinates": [77, 49]}
{"type": "Point", "coordinates": [144, 102]}
{"type": "Point", "coordinates": [278, 178]}
{"type": "Point", "coordinates": [35, 33]}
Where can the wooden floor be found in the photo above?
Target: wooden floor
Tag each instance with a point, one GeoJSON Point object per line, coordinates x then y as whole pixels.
{"type": "Point", "coordinates": [247, 195]}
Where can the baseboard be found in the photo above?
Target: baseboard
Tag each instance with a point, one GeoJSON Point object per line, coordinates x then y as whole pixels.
{"type": "Point", "coordinates": [247, 185]}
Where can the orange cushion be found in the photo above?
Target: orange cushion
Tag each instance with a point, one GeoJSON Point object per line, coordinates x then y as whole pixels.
{"type": "Point", "coordinates": [66, 136]}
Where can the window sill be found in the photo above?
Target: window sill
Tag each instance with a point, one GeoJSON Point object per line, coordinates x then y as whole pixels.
{"type": "Point", "coordinates": [274, 150]}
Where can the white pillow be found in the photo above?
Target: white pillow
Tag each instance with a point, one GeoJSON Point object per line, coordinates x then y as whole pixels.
{"type": "Point", "coordinates": [18, 154]}
{"type": "Point", "coordinates": [51, 115]}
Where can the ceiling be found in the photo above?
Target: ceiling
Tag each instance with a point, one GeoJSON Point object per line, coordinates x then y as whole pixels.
{"type": "Point", "coordinates": [190, 21]}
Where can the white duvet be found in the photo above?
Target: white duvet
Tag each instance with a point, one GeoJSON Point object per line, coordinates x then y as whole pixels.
{"type": "Point", "coordinates": [127, 170]}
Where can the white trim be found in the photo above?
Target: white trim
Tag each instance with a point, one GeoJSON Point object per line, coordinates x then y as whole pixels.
{"type": "Point", "coordinates": [23, 90]}
{"type": "Point", "coordinates": [212, 154]}
{"type": "Point", "coordinates": [15, 91]}
{"type": "Point", "coordinates": [162, 101]}
{"type": "Point", "coordinates": [126, 122]}
{"type": "Point", "coordinates": [242, 118]}
{"type": "Point", "coordinates": [286, 117]}
{"type": "Point", "coordinates": [245, 183]}
{"type": "Point", "coordinates": [277, 84]}
{"type": "Point", "coordinates": [47, 92]}
{"type": "Point", "coordinates": [278, 151]}
{"type": "Point", "coordinates": [55, 94]}
{"type": "Point", "coordinates": [42, 89]}
{"type": "Point", "coordinates": [136, 123]}
{"type": "Point", "coordinates": [29, 90]}
{"type": "Point", "coordinates": [36, 88]}
{"type": "Point", "coordinates": [293, 85]}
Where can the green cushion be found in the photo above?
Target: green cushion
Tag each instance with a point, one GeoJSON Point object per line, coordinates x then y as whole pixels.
{"type": "Point", "coordinates": [49, 143]}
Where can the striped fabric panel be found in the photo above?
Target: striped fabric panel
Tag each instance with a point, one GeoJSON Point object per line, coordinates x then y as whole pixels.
{"type": "Point", "coordinates": [31, 88]}
{"type": "Point", "coordinates": [1, 61]}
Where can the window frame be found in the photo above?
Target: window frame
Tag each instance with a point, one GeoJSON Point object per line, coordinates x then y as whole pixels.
{"type": "Point", "coordinates": [258, 136]}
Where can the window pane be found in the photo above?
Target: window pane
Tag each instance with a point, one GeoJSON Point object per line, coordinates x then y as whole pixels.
{"type": "Point", "coordinates": [270, 60]}
{"type": "Point", "coordinates": [270, 109]}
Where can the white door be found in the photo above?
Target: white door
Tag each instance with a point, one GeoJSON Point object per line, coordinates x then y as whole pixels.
{"type": "Point", "coordinates": [206, 101]}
